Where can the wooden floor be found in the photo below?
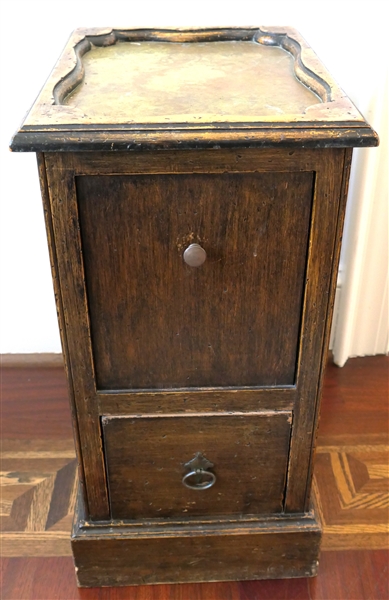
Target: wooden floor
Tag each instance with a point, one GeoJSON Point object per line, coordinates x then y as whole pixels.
{"type": "Point", "coordinates": [351, 478]}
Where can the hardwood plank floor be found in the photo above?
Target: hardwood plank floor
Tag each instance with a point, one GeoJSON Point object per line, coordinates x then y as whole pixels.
{"type": "Point", "coordinates": [351, 477]}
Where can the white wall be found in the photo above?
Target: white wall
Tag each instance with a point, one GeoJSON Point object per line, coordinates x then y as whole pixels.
{"type": "Point", "coordinates": [361, 319]}
{"type": "Point", "coordinates": [349, 37]}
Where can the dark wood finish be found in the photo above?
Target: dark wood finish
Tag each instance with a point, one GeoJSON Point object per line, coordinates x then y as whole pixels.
{"type": "Point", "coordinates": [61, 317]}
{"type": "Point", "coordinates": [196, 401]}
{"type": "Point", "coordinates": [317, 291]}
{"type": "Point", "coordinates": [166, 362]}
{"type": "Point", "coordinates": [267, 137]}
{"type": "Point", "coordinates": [146, 460]}
{"type": "Point", "coordinates": [271, 548]}
{"type": "Point", "coordinates": [330, 306]}
{"type": "Point", "coordinates": [70, 199]}
{"type": "Point", "coordinates": [158, 323]}
{"type": "Point", "coordinates": [249, 160]}
{"type": "Point", "coordinates": [328, 167]}
{"type": "Point", "coordinates": [321, 283]}
{"type": "Point", "coordinates": [72, 308]}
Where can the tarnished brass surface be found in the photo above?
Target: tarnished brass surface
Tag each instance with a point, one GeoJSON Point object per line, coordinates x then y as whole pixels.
{"type": "Point", "coordinates": [204, 82]}
{"type": "Point", "coordinates": [126, 89]}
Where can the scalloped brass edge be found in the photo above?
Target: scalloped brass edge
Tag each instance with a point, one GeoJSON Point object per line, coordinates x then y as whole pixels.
{"type": "Point", "coordinates": [306, 76]}
{"type": "Point", "coordinates": [71, 80]}
{"type": "Point", "coordinates": [285, 40]}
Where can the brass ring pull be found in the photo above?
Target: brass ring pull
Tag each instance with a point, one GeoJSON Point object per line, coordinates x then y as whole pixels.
{"type": "Point", "coordinates": [198, 484]}
{"type": "Point", "coordinates": [199, 478]}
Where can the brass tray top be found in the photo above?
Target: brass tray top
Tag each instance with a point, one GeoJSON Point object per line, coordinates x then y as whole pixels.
{"type": "Point", "coordinates": [209, 82]}
{"type": "Point", "coordinates": [121, 89]}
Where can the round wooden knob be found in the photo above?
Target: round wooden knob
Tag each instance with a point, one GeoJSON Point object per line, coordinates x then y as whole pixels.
{"type": "Point", "coordinates": [195, 255]}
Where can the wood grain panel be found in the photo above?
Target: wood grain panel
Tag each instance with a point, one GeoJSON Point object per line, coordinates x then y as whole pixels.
{"type": "Point", "coordinates": [155, 321]}
{"type": "Point", "coordinates": [209, 160]}
{"type": "Point", "coordinates": [197, 400]}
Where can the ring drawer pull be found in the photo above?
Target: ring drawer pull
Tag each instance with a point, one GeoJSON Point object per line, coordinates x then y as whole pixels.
{"type": "Point", "coordinates": [195, 255]}
{"type": "Point", "coordinates": [199, 478]}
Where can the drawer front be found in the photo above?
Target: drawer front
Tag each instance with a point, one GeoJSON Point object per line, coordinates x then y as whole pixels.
{"type": "Point", "coordinates": [196, 466]}
{"type": "Point", "coordinates": [157, 322]}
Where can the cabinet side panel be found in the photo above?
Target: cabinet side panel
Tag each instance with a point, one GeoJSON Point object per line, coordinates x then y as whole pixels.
{"type": "Point", "coordinates": [322, 261]}
{"type": "Point", "coordinates": [334, 276]}
{"type": "Point", "coordinates": [65, 227]}
{"type": "Point", "coordinates": [59, 305]}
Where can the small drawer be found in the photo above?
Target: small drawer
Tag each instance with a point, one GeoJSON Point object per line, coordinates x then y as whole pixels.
{"type": "Point", "coordinates": [179, 466]}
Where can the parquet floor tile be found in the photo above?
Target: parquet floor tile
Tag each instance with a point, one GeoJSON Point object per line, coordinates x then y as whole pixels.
{"type": "Point", "coordinates": [39, 491]}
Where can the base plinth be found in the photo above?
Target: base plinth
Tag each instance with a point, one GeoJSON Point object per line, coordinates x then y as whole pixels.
{"type": "Point", "coordinates": [134, 553]}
